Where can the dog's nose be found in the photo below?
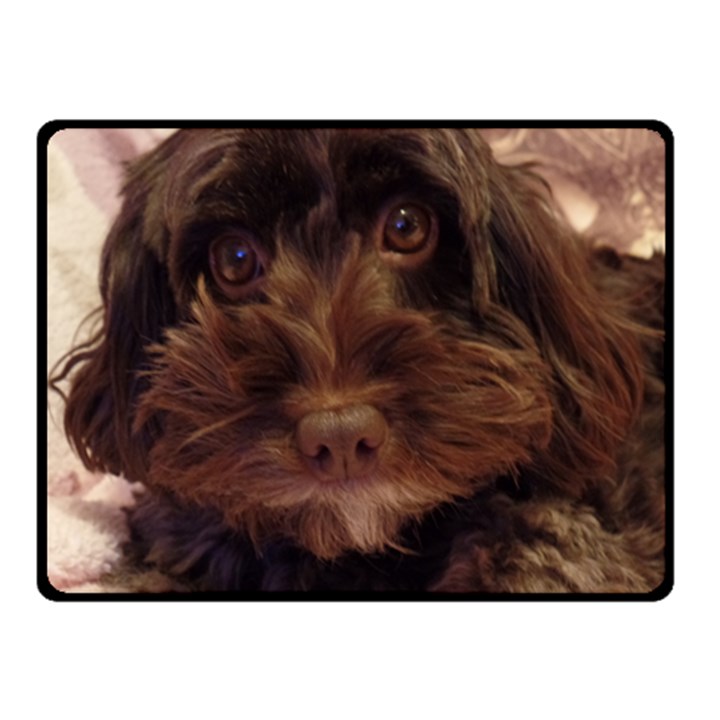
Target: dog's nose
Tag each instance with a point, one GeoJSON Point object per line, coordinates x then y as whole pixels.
{"type": "Point", "coordinates": [344, 443]}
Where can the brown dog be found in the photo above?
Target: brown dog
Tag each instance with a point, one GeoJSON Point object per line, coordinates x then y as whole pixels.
{"type": "Point", "coordinates": [372, 359]}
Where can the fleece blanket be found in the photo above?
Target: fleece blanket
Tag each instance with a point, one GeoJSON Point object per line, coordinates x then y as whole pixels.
{"type": "Point", "coordinates": [609, 183]}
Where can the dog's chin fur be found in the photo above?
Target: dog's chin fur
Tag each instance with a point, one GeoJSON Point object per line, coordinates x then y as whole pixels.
{"type": "Point", "coordinates": [517, 379]}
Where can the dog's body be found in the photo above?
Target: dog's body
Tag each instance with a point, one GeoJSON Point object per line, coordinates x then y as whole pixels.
{"type": "Point", "coordinates": [372, 360]}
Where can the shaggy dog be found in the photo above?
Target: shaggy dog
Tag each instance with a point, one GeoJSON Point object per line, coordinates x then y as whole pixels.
{"type": "Point", "coordinates": [345, 359]}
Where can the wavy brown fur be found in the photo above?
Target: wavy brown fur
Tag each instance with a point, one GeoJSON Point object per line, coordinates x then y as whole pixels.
{"type": "Point", "coordinates": [520, 375]}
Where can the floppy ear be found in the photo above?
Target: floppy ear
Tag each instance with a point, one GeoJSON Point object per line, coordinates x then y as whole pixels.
{"type": "Point", "coordinates": [137, 304]}
{"type": "Point", "coordinates": [530, 264]}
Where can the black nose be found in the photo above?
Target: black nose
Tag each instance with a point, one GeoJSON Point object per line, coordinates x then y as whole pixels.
{"type": "Point", "coordinates": [343, 443]}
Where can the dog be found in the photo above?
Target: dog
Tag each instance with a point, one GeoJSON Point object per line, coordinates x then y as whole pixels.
{"type": "Point", "coordinates": [372, 360]}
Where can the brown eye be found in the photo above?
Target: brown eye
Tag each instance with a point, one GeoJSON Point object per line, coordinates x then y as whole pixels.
{"type": "Point", "coordinates": [235, 263]}
{"type": "Point", "coordinates": [408, 228]}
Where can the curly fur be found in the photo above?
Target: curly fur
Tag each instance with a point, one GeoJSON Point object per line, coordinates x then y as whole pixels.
{"type": "Point", "coordinates": [519, 373]}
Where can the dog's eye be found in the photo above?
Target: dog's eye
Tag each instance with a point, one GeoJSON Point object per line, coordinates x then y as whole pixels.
{"type": "Point", "coordinates": [236, 263]}
{"type": "Point", "coordinates": [409, 228]}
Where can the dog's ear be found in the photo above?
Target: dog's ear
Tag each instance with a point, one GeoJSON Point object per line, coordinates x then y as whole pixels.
{"type": "Point", "coordinates": [528, 262]}
{"type": "Point", "coordinates": [105, 373]}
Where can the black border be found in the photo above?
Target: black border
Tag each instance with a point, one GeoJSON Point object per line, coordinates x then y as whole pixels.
{"type": "Point", "coordinates": [46, 589]}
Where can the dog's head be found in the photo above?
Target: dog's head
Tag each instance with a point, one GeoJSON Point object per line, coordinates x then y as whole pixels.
{"type": "Point", "coordinates": [323, 334]}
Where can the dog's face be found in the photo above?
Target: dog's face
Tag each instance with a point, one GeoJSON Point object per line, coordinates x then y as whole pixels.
{"type": "Point", "coordinates": [323, 334]}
